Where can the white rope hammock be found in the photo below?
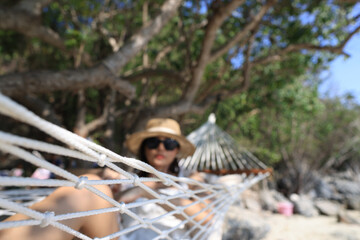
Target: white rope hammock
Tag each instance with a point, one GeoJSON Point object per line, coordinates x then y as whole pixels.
{"type": "Point", "coordinates": [221, 195]}
{"type": "Point", "coordinates": [217, 152]}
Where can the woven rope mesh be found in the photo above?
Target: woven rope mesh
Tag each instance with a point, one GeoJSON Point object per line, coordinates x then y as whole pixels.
{"type": "Point", "coordinates": [217, 152]}
{"type": "Point", "coordinates": [18, 193]}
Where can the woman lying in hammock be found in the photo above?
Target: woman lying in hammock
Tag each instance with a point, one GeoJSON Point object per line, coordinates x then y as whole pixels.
{"type": "Point", "coordinates": [158, 145]}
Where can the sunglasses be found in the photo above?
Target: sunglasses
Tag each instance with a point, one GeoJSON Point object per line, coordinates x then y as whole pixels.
{"type": "Point", "coordinates": [169, 143]}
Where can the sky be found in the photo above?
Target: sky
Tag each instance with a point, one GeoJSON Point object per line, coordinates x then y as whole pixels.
{"type": "Point", "coordinates": [344, 74]}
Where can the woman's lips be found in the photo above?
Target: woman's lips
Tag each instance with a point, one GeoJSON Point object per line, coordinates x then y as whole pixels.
{"type": "Point", "coordinates": [159, 156]}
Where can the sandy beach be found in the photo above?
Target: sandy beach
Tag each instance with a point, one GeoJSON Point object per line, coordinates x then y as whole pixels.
{"type": "Point", "coordinates": [297, 227]}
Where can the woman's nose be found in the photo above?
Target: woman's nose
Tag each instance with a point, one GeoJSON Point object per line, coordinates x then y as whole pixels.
{"type": "Point", "coordinates": [161, 146]}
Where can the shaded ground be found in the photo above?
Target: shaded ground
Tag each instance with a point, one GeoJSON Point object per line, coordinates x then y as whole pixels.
{"type": "Point", "coordinates": [299, 227]}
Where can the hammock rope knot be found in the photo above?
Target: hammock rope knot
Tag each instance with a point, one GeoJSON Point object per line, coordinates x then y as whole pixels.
{"type": "Point", "coordinates": [122, 207]}
{"type": "Point", "coordinates": [48, 218]}
{"type": "Point", "coordinates": [167, 181]}
{"type": "Point", "coordinates": [216, 153]}
{"type": "Point", "coordinates": [102, 160]}
{"type": "Point", "coordinates": [148, 223]}
{"type": "Point", "coordinates": [81, 182]}
{"type": "Point", "coordinates": [136, 180]}
{"type": "Point", "coordinates": [163, 199]}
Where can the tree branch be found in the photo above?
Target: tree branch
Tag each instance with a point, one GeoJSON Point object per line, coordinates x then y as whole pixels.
{"type": "Point", "coordinates": [210, 33]}
{"type": "Point", "coordinates": [47, 81]}
{"type": "Point", "coordinates": [215, 82]}
{"type": "Point", "coordinates": [84, 129]}
{"type": "Point", "coordinates": [40, 107]}
{"type": "Point", "coordinates": [183, 107]}
{"type": "Point", "coordinates": [346, 1]}
{"type": "Point", "coordinates": [33, 7]}
{"type": "Point", "coordinates": [111, 121]}
{"type": "Point", "coordinates": [172, 111]}
{"type": "Point", "coordinates": [168, 74]}
{"type": "Point", "coordinates": [279, 55]}
{"type": "Point", "coordinates": [247, 63]}
{"type": "Point", "coordinates": [81, 114]}
{"type": "Point", "coordinates": [254, 23]}
{"type": "Point", "coordinates": [24, 18]}
{"type": "Point", "coordinates": [166, 50]}
{"type": "Point", "coordinates": [116, 61]}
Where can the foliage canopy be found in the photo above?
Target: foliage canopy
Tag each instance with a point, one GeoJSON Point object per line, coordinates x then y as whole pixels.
{"type": "Point", "coordinates": [103, 67]}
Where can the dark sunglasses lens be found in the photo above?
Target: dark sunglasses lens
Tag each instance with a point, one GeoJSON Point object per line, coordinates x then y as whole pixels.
{"type": "Point", "coordinates": [152, 143]}
{"type": "Point", "coordinates": [170, 144]}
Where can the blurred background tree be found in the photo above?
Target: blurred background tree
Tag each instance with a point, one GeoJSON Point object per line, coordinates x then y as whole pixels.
{"type": "Point", "coordinates": [102, 68]}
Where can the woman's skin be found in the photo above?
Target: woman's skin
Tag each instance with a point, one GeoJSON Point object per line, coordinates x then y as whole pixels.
{"type": "Point", "coordinates": [160, 158]}
{"type": "Point", "coordinates": [69, 199]}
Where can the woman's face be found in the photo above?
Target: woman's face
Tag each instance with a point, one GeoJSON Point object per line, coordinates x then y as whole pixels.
{"type": "Point", "coordinates": [159, 157]}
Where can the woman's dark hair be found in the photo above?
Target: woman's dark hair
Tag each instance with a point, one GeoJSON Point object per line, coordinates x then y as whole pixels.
{"type": "Point", "coordinates": [173, 168]}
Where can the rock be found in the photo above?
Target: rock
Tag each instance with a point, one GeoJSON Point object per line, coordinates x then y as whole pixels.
{"type": "Point", "coordinates": [251, 200]}
{"type": "Point", "coordinates": [328, 208]}
{"type": "Point", "coordinates": [279, 196]}
{"type": "Point", "coordinates": [346, 175]}
{"type": "Point", "coordinates": [252, 204]}
{"type": "Point", "coordinates": [353, 202]}
{"type": "Point", "coordinates": [345, 218]}
{"type": "Point", "coordinates": [347, 187]}
{"type": "Point", "coordinates": [304, 205]}
{"type": "Point", "coordinates": [323, 189]}
{"type": "Point", "coordinates": [244, 224]}
{"type": "Point", "coordinates": [268, 201]}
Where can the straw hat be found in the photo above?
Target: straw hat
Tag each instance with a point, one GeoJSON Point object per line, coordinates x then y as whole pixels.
{"type": "Point", "coordinates": [164, 127]}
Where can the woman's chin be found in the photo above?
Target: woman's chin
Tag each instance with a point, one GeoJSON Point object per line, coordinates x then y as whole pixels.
{"type": "Point", "coordinates": [159, 164]}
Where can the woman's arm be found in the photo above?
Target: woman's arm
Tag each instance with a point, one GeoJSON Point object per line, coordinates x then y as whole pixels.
{"type": "Point", "coordinates": [130, 195]}
{"type": "Point", "coordinates": [192, 209]}
{"type": "Point", "coordinates": [68, 200]}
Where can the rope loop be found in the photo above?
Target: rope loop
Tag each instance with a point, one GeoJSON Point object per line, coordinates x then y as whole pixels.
{"type": "Point", "coordinates": [189, 194]}
{"type": "Point", "coordinates": [163, 199]}
{"type": "Point", "coordinates": [83, 150]}
{"type": "Point", "coordinates": [101, 161]}
{"type": "Point", "coordinates": [136, 180]}
{"type": "Point", "coordinates": [48, 217]}
{"type": "Point", "coordinates": [179, 210]}
{"type": "Point", "coordinates": [167, 182]}
{"type": "Point", "coordinates": [81, 182]}
{"type": "Point", "coordinates": [147, 223]}
{"type": "Point", "coordinates": [122, 207]}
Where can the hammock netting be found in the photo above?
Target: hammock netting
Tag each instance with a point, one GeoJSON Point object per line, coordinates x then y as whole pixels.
{"type": "Point", "coordinates": [218, 153]}
{"type": "Point", "coordinates": [18, 193]}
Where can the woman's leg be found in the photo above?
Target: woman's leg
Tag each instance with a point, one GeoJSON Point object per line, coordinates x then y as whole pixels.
{"type": "Point", "coordinates": [68, 200]}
